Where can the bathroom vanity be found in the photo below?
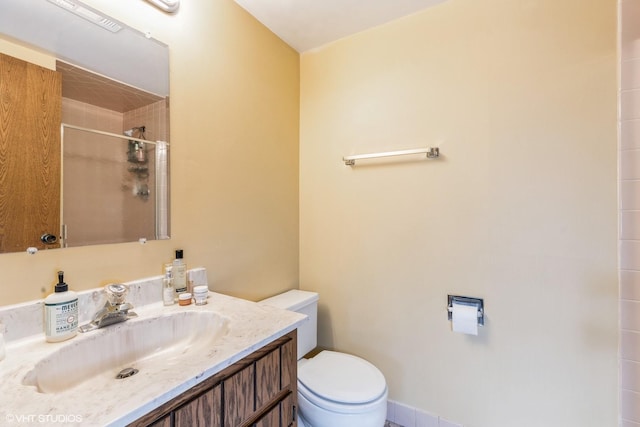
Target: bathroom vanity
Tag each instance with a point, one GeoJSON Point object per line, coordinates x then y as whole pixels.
{"type": "Point", "coordinates": [228, 363]}
{"type": "Point", "coordinates": [260, 390]}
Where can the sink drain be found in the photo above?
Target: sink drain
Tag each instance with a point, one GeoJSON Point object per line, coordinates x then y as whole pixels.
{"type": "Point", "coordinates": [126, 373]}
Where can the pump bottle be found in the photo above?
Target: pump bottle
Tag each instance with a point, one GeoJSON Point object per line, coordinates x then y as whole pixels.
{"type": "Point", "coordinates": [61, 312]}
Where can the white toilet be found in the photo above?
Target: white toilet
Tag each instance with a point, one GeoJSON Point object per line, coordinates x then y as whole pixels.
{"type": "Point", "coordinates": [334, 389]}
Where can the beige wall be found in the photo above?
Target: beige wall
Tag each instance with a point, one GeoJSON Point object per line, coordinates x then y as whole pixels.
{"type": "Point", "coordinates": [234, 164]}
{"type": "Point", "coordinates": [520, 210]}
{"type": "Point", "coordinates": [630, 214]}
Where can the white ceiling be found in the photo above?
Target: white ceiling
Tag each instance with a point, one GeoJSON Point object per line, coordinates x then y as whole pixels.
{"type": "Point", "coordinates": [308, 24]}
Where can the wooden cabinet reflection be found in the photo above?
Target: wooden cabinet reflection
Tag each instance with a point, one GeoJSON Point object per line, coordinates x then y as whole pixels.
{"type": "Point", "coordinates": [30, 117]}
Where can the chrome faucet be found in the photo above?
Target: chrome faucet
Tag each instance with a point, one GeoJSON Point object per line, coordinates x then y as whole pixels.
{"type": "Point", "coordinates": [115, 310]}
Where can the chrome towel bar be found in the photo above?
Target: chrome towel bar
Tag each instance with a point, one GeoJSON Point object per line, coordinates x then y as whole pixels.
{"type": "Point", "coordinates": [431, 152]}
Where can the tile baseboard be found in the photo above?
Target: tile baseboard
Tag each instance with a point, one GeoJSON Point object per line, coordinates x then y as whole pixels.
{"type": "Point", "coordinates": [401, 415]}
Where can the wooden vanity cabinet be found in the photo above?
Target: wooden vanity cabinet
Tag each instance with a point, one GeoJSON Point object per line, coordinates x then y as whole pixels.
{"type": "Point", "coordinates": [258, 391]}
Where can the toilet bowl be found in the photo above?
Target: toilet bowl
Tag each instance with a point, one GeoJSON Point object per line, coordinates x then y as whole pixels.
{"type": "Point", "coordinates": [334, 389]}
{"type": "Point", "coordinates": [341, 390]}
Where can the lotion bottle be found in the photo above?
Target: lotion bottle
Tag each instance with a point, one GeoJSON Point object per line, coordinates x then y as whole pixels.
{"type": "Point", "coordinates": [168, 291]}
{"type": "Point", "coordinates": [179, 273]}
{"type": "Point", "coordinates": [61, 312]}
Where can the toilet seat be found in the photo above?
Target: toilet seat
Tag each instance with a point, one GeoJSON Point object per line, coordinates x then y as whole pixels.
{"type": "Point", "coordinates": [329, 406]}
{"type": "Point", "coordinates": [340, 382]}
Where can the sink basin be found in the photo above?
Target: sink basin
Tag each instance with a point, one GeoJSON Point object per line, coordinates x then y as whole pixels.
{"type": "Point", "coordinates": [139, 343]}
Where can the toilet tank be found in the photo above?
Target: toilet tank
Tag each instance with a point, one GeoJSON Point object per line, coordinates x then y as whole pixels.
{"type": "Point", "coordinates": [304, 302]}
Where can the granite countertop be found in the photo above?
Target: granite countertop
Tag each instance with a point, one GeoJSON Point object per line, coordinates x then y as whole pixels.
{"type": "Point", "coordinates": [100, 402]}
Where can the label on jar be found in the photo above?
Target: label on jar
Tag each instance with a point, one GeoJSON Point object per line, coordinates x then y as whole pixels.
{"type": "Point", "coordinates": [60, 318]}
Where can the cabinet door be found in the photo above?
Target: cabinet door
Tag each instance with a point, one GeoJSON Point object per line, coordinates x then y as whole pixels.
{"type": "Point", "coordinates": [30, 116]}
{"type": "Point", "coordinates": [270, 419]}
{"type": "Point", "coordinates": [239, 397]}
{"type": "Point", "coordinates": [289, 365]}
{"type": "Point", "coordinates": [288, 411]}
{"type": "Point", "coordinates": [289, 376]}
{"type": "Point", "coordinates": [205, 410]}
{"type": "Point", "coordinates": [267, 378]}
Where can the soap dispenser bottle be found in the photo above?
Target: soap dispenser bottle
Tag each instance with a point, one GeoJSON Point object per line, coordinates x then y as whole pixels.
{"type": "Point", "coordinates": [61, 312]}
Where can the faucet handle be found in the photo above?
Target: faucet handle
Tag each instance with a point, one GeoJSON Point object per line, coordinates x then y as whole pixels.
{"type": "Point", "coordinates": [116, 293]}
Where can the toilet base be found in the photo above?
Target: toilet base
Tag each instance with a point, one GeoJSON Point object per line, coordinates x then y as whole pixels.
{"type": "Point", "coordinates": [310, 415]}
{"type": "Point", "coordinates": [301, 422]}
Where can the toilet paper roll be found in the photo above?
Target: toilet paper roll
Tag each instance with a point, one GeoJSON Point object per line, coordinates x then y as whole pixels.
{"type": "Point", "coordinates": [464, 318]}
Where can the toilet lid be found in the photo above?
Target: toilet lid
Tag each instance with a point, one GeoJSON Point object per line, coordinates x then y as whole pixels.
{"type": "Point", "coordinates": [342, 378]}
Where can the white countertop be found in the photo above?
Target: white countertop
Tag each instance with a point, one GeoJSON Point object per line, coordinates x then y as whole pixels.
{"type": "Point", "coordinates": [118, 402]}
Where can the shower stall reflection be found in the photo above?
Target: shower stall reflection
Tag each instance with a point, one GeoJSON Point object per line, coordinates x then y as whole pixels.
{"type": "Point", "coordinates": [114, 186]}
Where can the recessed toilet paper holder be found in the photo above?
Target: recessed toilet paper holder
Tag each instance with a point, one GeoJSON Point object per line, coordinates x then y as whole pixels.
{"type": "Point", "coordinates": [478, 302]}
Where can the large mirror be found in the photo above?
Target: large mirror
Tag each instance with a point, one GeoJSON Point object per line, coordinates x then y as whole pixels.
{"type": "Point", "coordinates": [84, 149]}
